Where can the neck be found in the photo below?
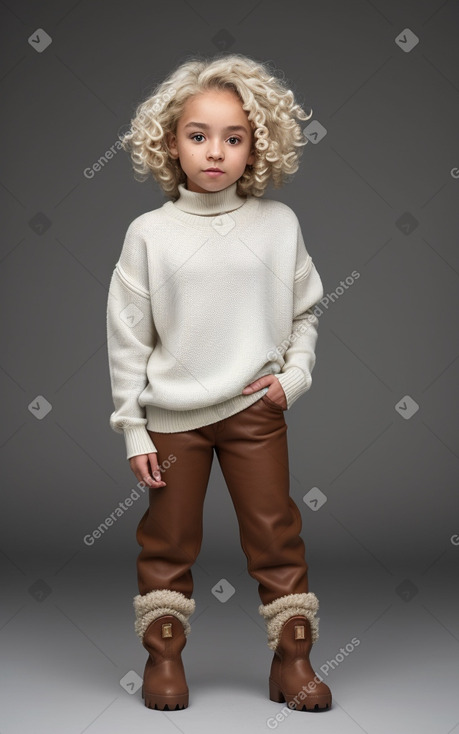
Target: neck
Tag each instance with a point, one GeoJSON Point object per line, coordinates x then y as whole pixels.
{"type": "Point", "coordinates": [210, 203]}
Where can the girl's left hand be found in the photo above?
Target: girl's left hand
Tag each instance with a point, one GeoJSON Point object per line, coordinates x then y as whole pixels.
{"type": "Point", "coordinates": [275, 392]}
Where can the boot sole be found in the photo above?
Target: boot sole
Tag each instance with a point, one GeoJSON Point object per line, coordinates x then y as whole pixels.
{"type": "Point", "coordinates": [311, 703]}
{"type": "Point", "coordinates": [165, 703]}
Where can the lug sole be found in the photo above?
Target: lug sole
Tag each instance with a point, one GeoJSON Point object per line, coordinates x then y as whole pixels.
{"type": "Point", "coordinates": [311, 703]}
{"type": "Point", "coordinates": [162, 702]}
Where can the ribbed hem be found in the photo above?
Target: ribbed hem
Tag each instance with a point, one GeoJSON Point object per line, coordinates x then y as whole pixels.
{"type": "Point", "coordinates": [138, 441]}
{"type": "Point", "coordinates": [173, 421]}
{"type": "Point", "coordinates": [294, 383]}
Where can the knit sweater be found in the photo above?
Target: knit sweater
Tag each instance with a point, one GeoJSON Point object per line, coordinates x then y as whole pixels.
{"type": "Point", "coordinates": [210, 292]}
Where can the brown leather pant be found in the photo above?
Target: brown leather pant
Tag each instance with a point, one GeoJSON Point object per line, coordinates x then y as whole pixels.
{"type": "Point", "coordinates": [251, 447]}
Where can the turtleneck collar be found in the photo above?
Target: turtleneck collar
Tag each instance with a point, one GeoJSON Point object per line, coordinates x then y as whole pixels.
{"type": "Point", "coordinates": [210, 203]}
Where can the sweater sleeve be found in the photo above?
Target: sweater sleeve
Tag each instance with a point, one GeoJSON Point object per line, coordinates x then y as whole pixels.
{"type": "Point", "coordinates": [296, 374]}
{"type": "Point", "coordinates": [131, 338]}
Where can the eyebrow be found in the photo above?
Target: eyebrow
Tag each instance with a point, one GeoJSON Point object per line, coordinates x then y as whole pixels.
{"type": "Point", "coordinates": [206, 127]}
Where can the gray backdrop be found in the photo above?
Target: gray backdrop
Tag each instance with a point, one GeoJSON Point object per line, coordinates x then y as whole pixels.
{"type": "Point", "coordinates": [375, 437]}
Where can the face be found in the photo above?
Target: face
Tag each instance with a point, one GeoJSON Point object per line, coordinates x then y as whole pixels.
{"type": "Point", "coordinates": [213, 132]}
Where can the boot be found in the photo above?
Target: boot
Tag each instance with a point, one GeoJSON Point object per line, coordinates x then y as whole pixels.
{"type": "Point", "coordinates": [292, 629]}
{"type": "Point", "coordinates": [162, 625]}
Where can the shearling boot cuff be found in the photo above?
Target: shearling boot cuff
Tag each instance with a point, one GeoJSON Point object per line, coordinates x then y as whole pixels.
{"type": "Point", "coordinates": [280, 610]}
{"type": "Point", "coordinates": [159, 602]}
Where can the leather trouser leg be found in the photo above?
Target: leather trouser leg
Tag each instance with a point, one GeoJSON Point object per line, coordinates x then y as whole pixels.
{"type": "Point", "coordinates": [253, 454]}
{"type": "Point", "coordinates": [251, 447]}
{"type": "Point", "coordinates": [170, 531]}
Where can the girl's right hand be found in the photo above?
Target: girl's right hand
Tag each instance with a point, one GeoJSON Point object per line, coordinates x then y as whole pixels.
{"type": "Point", "coordinates": [141, 464]}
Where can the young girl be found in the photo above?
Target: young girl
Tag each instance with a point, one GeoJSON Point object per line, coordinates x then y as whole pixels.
{"type": "Point", "coordinates": [211, 338]}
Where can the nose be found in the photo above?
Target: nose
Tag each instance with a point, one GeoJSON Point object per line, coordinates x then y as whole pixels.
{"type": "Point", "coordinates": [215, 150]}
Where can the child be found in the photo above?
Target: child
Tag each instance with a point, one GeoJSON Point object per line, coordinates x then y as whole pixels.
{"type": "Point", "coordinates": [211, 337]}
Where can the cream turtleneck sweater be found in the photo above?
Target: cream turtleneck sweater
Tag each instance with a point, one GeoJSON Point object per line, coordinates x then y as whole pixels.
{"type": "Point", "coordinates": [210, 292]}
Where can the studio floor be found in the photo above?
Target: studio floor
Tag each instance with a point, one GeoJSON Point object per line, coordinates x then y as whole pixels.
{"type": "Point", "coordinates": [71, 662]}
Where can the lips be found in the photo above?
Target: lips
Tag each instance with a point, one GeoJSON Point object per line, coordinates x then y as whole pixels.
{"type": "Point", "coordinates": [217, 170]}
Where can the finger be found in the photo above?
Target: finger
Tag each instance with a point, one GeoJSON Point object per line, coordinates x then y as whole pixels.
{"type": "Point", "coordinates": [155, 471]}
{"type": "Point", "coordinates": [141, 471]}
{"type": "Point", "coordinates": [152, 481]}
{"type": "Point", "coordinates": [258, 384]}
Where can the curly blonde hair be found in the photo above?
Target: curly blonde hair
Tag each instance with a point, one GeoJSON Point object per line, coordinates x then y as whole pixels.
{"type": "Point", "coordinates": [271, 109]}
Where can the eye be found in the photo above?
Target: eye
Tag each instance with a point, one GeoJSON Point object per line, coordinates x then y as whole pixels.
{"type": "Point", "coordinates": [234, 138]}
{"type": "Point", "coordinates": [196, 135]}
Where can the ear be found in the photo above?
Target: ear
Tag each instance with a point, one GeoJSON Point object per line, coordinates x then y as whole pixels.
{"type": "Point", "coordinates": [251, 158]}
{"type": "Point", "coordinates": [171, 142]}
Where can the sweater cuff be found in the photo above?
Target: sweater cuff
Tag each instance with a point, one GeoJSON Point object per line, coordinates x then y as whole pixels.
{"type": "Point", "coordinates": [138, 441]}
{"type": "Point", "coordinates": [294, 383]}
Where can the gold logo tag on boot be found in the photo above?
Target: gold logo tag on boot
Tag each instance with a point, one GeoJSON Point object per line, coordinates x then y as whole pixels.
{"type": "Point", "coordinates": [299, 632]}
{"type": "Point", "coordinates": [166, 630]}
